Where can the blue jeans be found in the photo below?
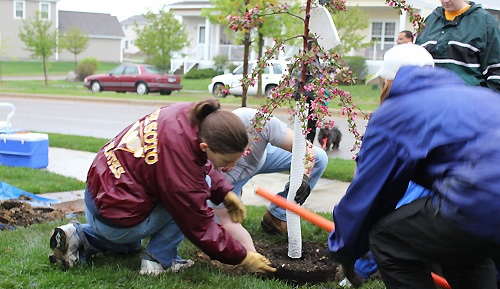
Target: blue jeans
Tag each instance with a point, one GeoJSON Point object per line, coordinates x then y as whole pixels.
{"type": "Point", "coordinates": [159, 225]}
{"type": "Point", "coordinates": [279, 160]}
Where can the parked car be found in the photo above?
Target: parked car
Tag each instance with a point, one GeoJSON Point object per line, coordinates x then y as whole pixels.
{"type": "Point", "coordinates": [140, 78]}
{"type": "Point", "coordinates": [271, 77]}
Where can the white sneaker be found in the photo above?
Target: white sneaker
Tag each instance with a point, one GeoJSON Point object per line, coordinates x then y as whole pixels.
{"type": "Point", "coordinates": [149, 267]}
{"type": "Point", "coordinates": [65, 243]}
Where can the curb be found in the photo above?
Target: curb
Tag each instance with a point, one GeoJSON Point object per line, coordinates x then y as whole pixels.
{"type": "Point", "coordinates": [280, 110]}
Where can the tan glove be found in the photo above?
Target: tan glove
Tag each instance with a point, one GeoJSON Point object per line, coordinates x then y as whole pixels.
{"type": "Point", "coordinates": [256, 263]}
{"type": "Point", "coordinates": [235, 207]}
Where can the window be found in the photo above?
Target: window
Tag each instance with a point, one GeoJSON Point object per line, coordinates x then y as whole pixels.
{"type": "Point", "coordinates": [201, 35]}
{"type": "Point", "coordinates": [44, 11]}
{"type": "Point", "coordinates": [118, 70]}
{"type": "Point", "coordinates": [383, 38]}
{"type": "Point", "coordinates": [131, 70]}
{"type": "Point", "coordinates": [19, 10]}
{"type": "Point", "coordinates": [277, 69]}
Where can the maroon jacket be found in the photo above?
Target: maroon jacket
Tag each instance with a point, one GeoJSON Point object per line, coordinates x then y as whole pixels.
{"type": "Point", "coordinates": [158, 160]}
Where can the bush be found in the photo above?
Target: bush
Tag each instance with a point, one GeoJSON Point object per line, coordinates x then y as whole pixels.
{"type": "Point", "coordinates": [200, 73]}
{"type": "Point", "coordinates": [231, 66]}
{"type": "Point", "coordinates": [357, 65]}
{"type": "Point", "coordinates": [220, 63]}
{"type": "Point", "coordinates": [86, 67]}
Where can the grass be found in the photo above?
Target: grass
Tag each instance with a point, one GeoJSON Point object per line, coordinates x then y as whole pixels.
{"type": "Point", "coordinates": [24, 251]}
{"type": "Point", "coordinates": [33, 68]}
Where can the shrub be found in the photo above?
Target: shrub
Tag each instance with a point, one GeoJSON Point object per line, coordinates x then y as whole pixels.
{"type": "Point", "coordinates": [231, 66]}
{"type": "Point", "coordinates": [357, 65]}
{"type": "Point", "coordinates": [220, 63]}
{"type": "Point", "coordinates": [200, 73]}
{"type": "Point", "coordinates": [86, 67]}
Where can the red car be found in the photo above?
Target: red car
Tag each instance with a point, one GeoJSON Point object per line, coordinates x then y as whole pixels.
{"type": "Point", "coordinates": [140, 78]}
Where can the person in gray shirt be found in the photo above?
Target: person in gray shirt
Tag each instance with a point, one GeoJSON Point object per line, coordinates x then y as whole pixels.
{"type": "Point", "coordinates": [271, 153]}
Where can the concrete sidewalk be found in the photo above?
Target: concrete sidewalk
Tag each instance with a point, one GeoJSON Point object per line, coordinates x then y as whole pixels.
{"type": "Point", "coordinates": [76, 164]}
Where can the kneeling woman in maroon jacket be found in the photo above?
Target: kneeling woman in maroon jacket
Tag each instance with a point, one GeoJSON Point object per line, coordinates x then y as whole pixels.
{"type": "Point", "coordinates": [149, 181]}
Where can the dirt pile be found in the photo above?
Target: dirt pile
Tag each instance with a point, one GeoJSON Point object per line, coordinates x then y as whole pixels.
{"type": "Point", "coordinates": [19, 213]}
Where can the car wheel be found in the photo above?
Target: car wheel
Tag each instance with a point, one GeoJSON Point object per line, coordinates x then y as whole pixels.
{"type": "Point", "coordinates": [270, 89]}
{"type": "Point", "coordinates": [141, 88]}
{"type": "Point", "coordinates": [95, 86]}
{"type": "Point", "coordinates": [165, 92]}
{"type": "Point", "coordinates": [218, 89]}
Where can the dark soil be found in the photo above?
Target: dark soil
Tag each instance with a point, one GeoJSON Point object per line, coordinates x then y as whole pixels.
{"type": "Point", "coordinates": [19, 213]}
{"type": "Point", "coordinates": [313, 267]}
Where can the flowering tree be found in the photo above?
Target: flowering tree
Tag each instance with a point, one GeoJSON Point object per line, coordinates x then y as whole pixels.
{"type": "Point", "coordinates": [325, 84]}
{"type": "Point", "coordinates": [290, 91]}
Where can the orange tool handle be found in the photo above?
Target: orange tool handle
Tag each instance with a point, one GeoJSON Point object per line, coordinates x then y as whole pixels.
{"type": "Point", "coordinates": [321, 222]}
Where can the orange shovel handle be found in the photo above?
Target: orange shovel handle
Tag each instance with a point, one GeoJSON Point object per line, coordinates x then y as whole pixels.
{"type": "Point", "coordinates": [321, 222]}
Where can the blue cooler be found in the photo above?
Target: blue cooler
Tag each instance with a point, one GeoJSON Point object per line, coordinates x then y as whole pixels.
{"type": "Point", "coordinates": [24, 150]}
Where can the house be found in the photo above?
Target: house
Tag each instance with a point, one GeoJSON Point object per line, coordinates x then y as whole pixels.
{"type": "Point", "coordinates": [208, 40]}
{"type": "Point", "coordinates": [104, 30]}
{"type": "Point", "coordinates": [129, 27]}
{"type": "Point", "coordinates": [12, 14]}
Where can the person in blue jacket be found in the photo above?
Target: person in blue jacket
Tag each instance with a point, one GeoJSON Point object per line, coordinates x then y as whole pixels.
{"type": "Point", "coordinates": [443, 135]}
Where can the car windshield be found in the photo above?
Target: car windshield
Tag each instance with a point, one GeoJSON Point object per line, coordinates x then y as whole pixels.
{"type": "Point", "coordinates": [154, 70]}
{"type": "Point", "coordinates": [118, 70]}
{"type": "Point", "coordinates": [239, 70]}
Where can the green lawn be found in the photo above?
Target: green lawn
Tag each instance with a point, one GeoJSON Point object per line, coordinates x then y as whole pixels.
{"type": "Point", "coordinates": [32, 68]}
{"type": "Point", "coordinates": [364, 96]}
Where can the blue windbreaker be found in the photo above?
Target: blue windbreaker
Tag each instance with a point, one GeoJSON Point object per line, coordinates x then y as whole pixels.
{"type": "Point", "coordinates": [438, 132]}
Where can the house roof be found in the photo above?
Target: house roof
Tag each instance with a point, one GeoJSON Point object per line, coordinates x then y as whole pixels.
{"type": "Point", "coordinates": [190, 4]}
{"type": "Point", "coordinates": [93, 24]}
{"type": "Point", "coordinates": [139, 19]}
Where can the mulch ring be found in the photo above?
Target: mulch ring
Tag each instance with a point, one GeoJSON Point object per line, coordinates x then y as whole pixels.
{"type": "Point", "coordinates": [313, 267]}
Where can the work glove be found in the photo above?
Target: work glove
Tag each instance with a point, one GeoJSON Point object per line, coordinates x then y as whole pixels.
{"type": "Point", "coordinates": [256, 263]}
{"type": "Point", "coordinates": [235, 207]}
{"type": "Point", "coordinates": [303, 192]}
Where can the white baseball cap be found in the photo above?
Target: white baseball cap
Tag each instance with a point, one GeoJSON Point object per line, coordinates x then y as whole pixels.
{"type": "Point", "coordinates": [402, 55]}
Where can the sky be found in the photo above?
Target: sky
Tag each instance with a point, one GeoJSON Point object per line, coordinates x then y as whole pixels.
{"type": "Point", "coordinates": [119, 8]}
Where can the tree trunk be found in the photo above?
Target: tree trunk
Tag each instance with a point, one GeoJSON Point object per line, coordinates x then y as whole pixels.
{"type": "Point", "coordinates": [44, 61]}
{"type": "Point", "coordinates": [246, 53]}
{"type": "Point", "coordinates": [261, 45]}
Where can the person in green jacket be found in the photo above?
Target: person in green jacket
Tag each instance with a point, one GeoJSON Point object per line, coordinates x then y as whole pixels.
{"type": "Point", "coordinates": [462, 36]}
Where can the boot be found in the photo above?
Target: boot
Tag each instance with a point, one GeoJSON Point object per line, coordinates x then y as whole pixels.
{"type": "Point", "coordinates": [272, 225]}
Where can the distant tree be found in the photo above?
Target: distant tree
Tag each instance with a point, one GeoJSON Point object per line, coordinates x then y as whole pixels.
{"type": "Point", "coordinates": [160, 37]}
{"type": "Point", "coordinates": [349, 24]}
{"type": "Point", "coordinates": [219, 12]}
{"type": "Point", "coordinates": [40, 40]}
{"type": "Point", "coordinates": [2, 48]}
{"type": "Point", "coordinates": [271, 26]}
{"type": "Point", "coordinates": [279, 26]}
{"type": "Point", "coordinates": [75, 41]}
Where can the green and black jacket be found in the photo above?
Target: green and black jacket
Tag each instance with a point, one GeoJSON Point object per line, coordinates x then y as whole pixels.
{"type": "Point", "coordinates": [469, 45]}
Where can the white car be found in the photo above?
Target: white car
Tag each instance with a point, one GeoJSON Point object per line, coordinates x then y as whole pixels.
{"type": "Point", "coordinates": [271, 77]}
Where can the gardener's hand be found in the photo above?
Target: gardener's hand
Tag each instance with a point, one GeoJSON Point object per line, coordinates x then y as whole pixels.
{"type": "Point", "coordinates": [235, 207]}
{"type": "Point", "coordinates": [256, 263]}
{"type": "Point", "coordinates": [304, 191]}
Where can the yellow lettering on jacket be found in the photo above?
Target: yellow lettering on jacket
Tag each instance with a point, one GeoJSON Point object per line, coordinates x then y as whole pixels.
{"type": "Point", "coordinates": [113, 163]}
{"type": "Point", "coordinates": [151, 138]}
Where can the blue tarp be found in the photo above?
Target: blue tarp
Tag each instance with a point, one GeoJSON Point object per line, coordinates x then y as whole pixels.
{"type": "Point", "coordinates": [9, 192]}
